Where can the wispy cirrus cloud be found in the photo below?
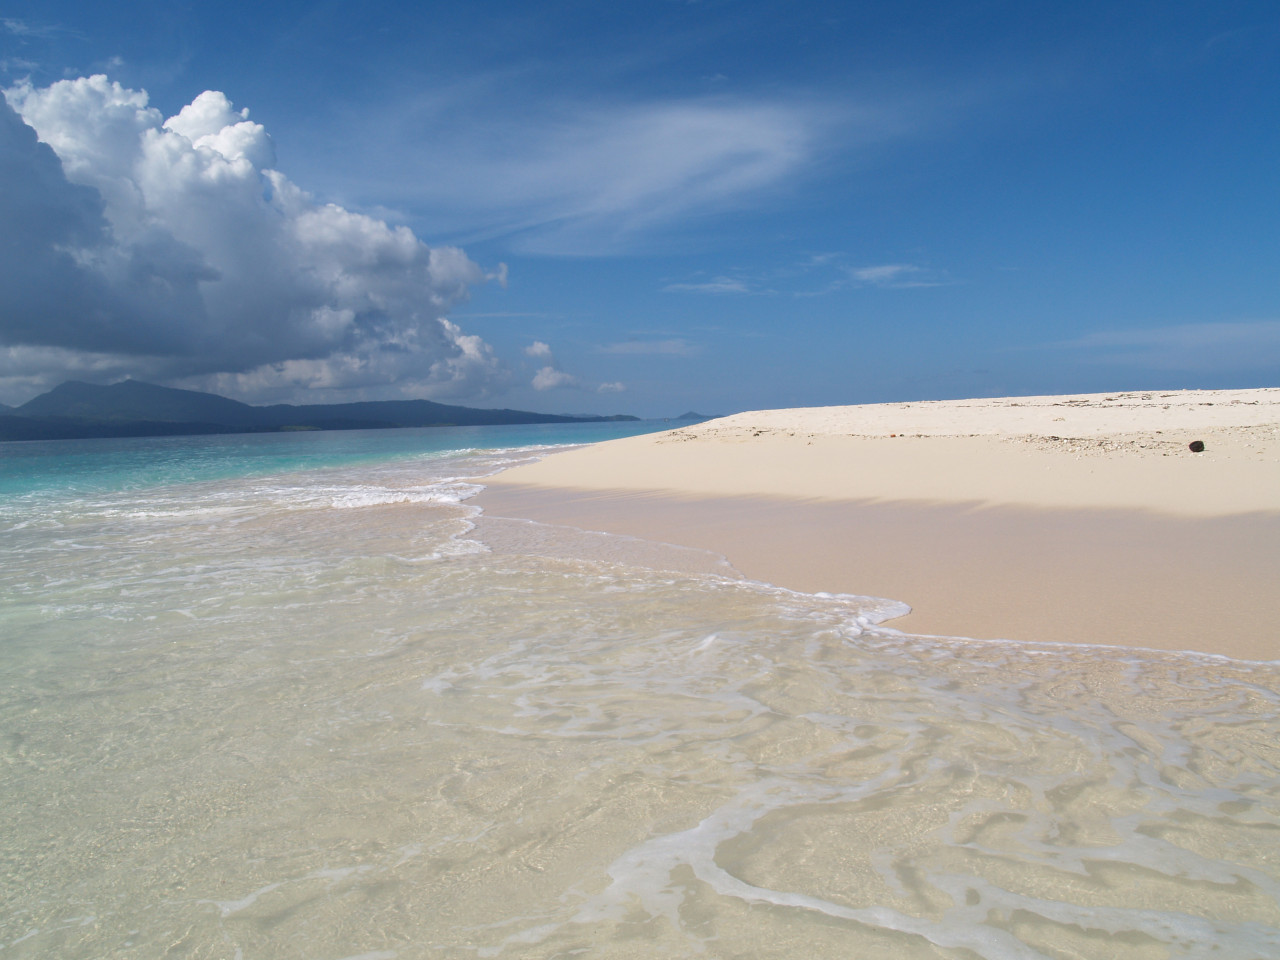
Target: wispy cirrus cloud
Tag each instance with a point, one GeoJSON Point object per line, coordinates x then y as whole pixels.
{"type": "Point", "coordinates": [718, 285]}
{"type": "Point", "coordinates": [24, 33]}
{"type": "Point", "coordinates": [566, 175]}
{"type": "Point", "coordinates": [672, 348]}
{"type": "Point", "coordinates": [585, 180]}
{"type": "Point", "coordinates": [23, 28]}
{"type": "Point", "coordinates": [814, 276]}
{"type": "Point", "coordinates": [1230, 346]}
{"type": "Point", "coordinates": [888, 274]}
{"type": "Point", "coordinates": [897, 276]}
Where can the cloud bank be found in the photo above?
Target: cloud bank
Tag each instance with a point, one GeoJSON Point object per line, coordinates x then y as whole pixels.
{"type": "Point", "coordinates": [173, 249]}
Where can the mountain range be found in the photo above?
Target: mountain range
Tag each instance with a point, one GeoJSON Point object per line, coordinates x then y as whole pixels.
{"type": "Point", "coordinates": [131, 408]}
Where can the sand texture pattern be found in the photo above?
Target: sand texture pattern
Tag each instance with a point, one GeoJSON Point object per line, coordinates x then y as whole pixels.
{"type": "Point", "coordinates": [1078, 519]}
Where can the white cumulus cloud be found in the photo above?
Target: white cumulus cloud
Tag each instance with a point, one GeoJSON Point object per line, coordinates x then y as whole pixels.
{"type": "Point", "coordinates": [173, 248]}
{"type": "Point", "coordinates": [549, 378]}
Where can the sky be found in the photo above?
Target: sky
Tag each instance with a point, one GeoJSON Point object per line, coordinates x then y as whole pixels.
{"type": "Point", "coordinates": [643, 207]}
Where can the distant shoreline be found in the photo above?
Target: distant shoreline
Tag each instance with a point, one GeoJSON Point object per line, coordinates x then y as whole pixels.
{"type": "Point", "coordinates": [85, 411]}
{"type": "Point", "coordinates": [1076, 519]}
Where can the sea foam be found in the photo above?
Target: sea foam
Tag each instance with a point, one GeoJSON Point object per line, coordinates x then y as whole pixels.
{"type": "Point", "coordinates": [334, 712]}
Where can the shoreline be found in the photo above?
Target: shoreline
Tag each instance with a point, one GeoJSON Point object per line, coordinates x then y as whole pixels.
{"type": "Point", "coordinates": [1114, 537]}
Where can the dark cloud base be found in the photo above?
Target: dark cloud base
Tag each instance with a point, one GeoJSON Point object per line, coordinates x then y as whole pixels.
{"type": "Point", "coordinates": [173, 249]}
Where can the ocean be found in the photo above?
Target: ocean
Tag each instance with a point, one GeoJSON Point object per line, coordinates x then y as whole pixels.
{"type": "Point", "coordinates": [289, 696]}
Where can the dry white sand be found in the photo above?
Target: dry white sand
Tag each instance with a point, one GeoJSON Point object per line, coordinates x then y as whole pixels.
{"type": "Point", "coordinates": [1072, 518]}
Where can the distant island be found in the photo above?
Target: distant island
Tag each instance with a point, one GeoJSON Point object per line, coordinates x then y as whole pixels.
{"type": "Point", "coordinates": [76, 410]}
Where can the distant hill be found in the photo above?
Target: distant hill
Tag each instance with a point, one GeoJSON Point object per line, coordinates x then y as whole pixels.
{"type": "Point", "coordinates": [135, 400]}
{"type": "Point", "coordinates": [133, 408]}
{"type": "Point", "coordinates": [696, 416]}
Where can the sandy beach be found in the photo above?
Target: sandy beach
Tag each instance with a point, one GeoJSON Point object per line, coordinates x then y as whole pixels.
{"type": "Point", "coordinates": [1065, 519]}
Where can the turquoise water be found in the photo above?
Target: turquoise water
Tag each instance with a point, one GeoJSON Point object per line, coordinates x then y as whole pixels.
{"type": "Point", "coordinates": [63, 467]}
{"type": "Point", "coordinates": [289, 696]}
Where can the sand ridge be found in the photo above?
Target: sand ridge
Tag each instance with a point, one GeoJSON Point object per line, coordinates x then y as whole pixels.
{"type": "Point", "coordinates": [1126, 451]}
{"type": "Point", "coordinates": [1079, 415]}
{"type": "Point", "coordinates": [1074, 519]}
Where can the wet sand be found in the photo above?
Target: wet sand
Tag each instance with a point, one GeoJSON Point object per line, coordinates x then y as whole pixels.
{"type": "Point", "coordinates": [1057, 519]}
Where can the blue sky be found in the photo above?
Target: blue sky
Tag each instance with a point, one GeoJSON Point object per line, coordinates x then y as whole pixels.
{"type": "Point", "coordinates": [642, 207]}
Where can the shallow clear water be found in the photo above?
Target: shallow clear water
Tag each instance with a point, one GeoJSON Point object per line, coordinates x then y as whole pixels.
{"type": "Point", "coordinates": [298, 703]}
